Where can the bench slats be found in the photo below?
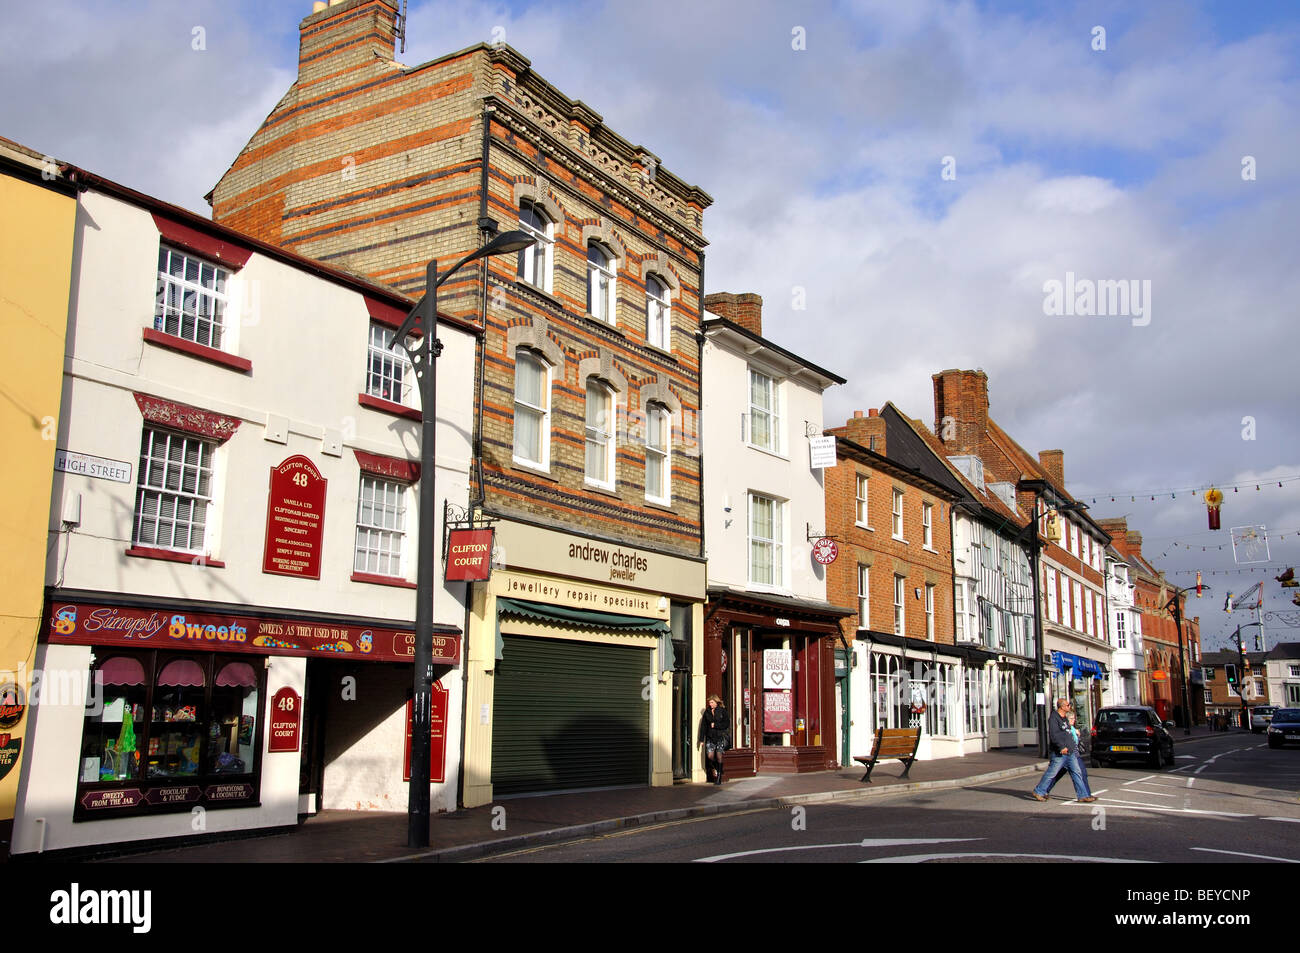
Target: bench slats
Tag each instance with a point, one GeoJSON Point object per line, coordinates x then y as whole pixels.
{"type": "Point", "coordinates": [894, 743]}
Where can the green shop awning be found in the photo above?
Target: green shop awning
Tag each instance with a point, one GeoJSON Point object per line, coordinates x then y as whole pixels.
{"type": "Point", "coordinates": [583, 617]}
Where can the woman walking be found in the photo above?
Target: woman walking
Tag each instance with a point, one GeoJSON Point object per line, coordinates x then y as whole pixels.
{"type": "Point", "coordinates": [715, 735]}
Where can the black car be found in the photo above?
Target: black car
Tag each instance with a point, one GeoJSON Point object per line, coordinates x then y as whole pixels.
{"type": "Point", "coordinates": [1284, 728]}
{"type": "Point", "coordinates": [1131, 732]}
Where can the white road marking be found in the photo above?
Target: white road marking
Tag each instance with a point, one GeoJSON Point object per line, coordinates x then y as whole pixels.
{"type": "Point", "coordinates": [865, 842]}
{"type": "Point", "coordinates": [1237, 853]}
{"type": "Point", "coordinates": [924, 858]}
{"type": "Point", "coordinates": [1201, 768]}
{"type": "Point", "coordinates": [1291, 820]}
{"type": "Point", "coordinates": [1190, 782]}
{"type": "Point", "coordinates": [1185, 757]}
{"type": "Point", "coordinates": [1175, 810]}
{"type": "Point", "coordinates": [1140, 780]}
{"type": "Point", "coordinates": [1155, 793]}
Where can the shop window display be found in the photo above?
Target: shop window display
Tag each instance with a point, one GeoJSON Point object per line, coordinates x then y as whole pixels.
{"type": "Point", "coordinates": [165, 721]}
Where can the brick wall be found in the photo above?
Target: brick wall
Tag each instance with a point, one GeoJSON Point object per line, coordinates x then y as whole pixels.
{"type": "Point", "coordinates": [886, 556]}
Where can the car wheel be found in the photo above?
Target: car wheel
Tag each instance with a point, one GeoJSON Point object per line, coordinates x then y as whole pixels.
{"type": "Point", "coordinates": [1155, 761]}
{"type": "Point", "coordinates": [1170, 762]}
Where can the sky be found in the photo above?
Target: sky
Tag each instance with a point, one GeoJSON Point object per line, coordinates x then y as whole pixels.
{"type": "Point", "coordinates": [903, 183]}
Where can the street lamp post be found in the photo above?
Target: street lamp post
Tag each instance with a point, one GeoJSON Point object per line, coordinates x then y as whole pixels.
{"type": "Point", "coordinates": [1241, 668]}
{"type": "Point", "coordinates": [423, 320]}
{"type": "Point", "coordinates": [1175, 607]}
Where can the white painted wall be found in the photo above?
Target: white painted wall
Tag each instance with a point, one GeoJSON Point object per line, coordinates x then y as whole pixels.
{"type": "Point", "coordinates": [733, 469]}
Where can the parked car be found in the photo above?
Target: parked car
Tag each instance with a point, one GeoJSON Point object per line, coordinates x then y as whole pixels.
{"type": "Point", "coordinates": [1285, 727]}
{"type": "Point", "coordinates": [1131, 732]}
{"type": "Point", "coordinates": [1260, 716]}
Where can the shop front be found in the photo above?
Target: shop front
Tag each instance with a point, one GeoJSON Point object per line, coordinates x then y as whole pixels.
{"type": "Point", "coordinates": [163, 719]}
{"type": "Point", "coordinates": [772, 661]}
{"type": "Point", "coordinates": [581, 665]}
{"type": "Point", "coordinates": [1080, 679]}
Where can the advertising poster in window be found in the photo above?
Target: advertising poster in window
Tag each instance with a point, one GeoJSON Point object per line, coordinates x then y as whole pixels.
{"type": "Point", "coordinates": [295, 515]}
{"type": "Point", "coordinates": [777, 668]}
{"type": "Point", "coordinates": [778, 712]}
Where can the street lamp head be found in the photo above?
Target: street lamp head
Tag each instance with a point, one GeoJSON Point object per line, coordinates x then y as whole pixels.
{"type": "Point", "coordinates": [507, 242]}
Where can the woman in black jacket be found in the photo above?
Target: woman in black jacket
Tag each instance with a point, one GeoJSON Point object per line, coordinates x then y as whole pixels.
{"type": "Point", "coordinates": [715, 735]}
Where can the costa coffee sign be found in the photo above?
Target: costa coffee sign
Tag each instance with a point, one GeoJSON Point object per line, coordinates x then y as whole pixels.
{"type": "Point", "coordinates": [80, 623]}
{"type": "Point", "coordinates": [469, 555]}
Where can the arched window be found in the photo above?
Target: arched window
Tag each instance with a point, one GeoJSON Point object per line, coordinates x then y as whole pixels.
{"type": "Point", "coordinates": [535, 260]}
{"type": "Point", "coordinates": [658, 314]}
{"type": "Point", "coordinates": [532, 409]}
{"type": "Point", "coordinates": [600, 283]}
{"type": "Point", "coordinates": [600, 434]}
{"type": "Point", "coordinates": [658, 454]}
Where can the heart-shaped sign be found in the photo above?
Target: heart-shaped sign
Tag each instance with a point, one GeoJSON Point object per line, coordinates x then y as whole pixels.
{"type": "Point", "coordinates": [778, 677]}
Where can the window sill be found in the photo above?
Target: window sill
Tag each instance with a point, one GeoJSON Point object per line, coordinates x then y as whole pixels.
{"type": "Point", "coordinates": [600, 488]}
{"type": "Point", "coordinates": [930, 549]}
{"type": "Point", "coordinates": [869, 529]}
{"type": "Point", "coordinates": [898, 539]}
{"type": "Point", "coordinates": [389, 407]}
{"type": "Point", "coordinates": [770, 453]}
{"type": "Point", "coordinates": [613, 328]}
{"type": "Point", "coordinates": [171, 555]}
{"type": "Point", "coordinates": [533, 469]}
{"type": "Point", "coordinates": [377, 580]}
{"type": "Point", "coordinates": [665, 505]}
{"type": "Point", "coordinates": [201, 351]}
{"type": "Point", "coordinates": [542, 293]}
{"type": "Point", "coordinates": [662, 352]}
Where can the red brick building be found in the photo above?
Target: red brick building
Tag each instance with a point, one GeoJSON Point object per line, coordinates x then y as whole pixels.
{"type": "Point", "coordinates": [895, 572]}
{"type": "Point", "coordinates": [585, 454]}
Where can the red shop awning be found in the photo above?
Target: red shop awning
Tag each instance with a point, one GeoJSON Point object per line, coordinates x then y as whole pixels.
{"type": "Point", "coordinates": [120, 670]}
{"type": "Point", "coordinates": [181, 673]}
{"type": "Point", "coordinates": [237, 675]}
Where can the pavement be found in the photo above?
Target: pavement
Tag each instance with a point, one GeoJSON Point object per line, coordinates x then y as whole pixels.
{"type": "Point", "coordinates": [511, 824]}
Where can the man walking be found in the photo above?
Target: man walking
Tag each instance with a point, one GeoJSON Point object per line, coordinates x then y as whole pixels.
{"type": "Point", "coordinates": [1064, 754]}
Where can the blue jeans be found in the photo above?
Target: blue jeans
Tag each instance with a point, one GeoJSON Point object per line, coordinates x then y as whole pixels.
{"type": "Point", "coordinates": [1075, 767]}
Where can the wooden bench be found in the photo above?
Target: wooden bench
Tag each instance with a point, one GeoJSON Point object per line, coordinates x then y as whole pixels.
{"type": "Point", "coordinates": [900, 743]}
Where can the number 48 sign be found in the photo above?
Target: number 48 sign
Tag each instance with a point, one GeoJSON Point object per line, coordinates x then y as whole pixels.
{"type": "Point", "coordinates": [286, 720]}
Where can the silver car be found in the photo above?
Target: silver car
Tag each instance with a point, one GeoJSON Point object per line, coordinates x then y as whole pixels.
{"type": "Point", "coordinates": [1260, 717]}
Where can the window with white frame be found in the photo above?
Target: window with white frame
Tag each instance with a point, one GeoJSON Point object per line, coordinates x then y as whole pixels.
{"type": "Point", "coordinates": [1078, 607]}
{"type": "Point", "coordinates": [764, 412]}
{"type": "Point", "coordinates": [929, 611]}
{"type": "Point", "coordinates": [174, 491]}
{"type": "Point", "coordinates": [658, 314]}
{"type": "Point", "coordinates": [381, 527]}
{"type": "Point", "coordinates": [600, 283]}
{"type": "Point", "coordinates": [1294, 671]}
{"type": "Point", "coordinates": [860, 512]}
{"type": "Point", "coordinates": [1208, 697]}
{"type": "Point", "coordinates": [1292, 696]}
{"type": "Point", "coordinates": [927, 526]}
{"type": "Point", "coordinates": [864, 597]}
{"type": "Point", "coordinates": [658, 454]}
{"type": "Point", "coordinates": [898, 514]}
{"type": "Point", "coordinates": [389, 372]}
{"type": "Point", "coordinates": [191, 300]}
{"type": "Point", "coordinates": [900, 584]}
{"type": "Point", "coordinates": [535, 260]}
{"type": "Point", "coordinates": [1091, 622]}
{"type": "Point", "coordinates": [959, 610]}
{"type": "Point", "coordinates": [766, 541]}
{"type": "Point", "coordinates": [532, 409]}
{"type": "Point", "coordinates": [600, 434]}
{"type": "Point", "coordinates": [1051, 593]}
{"type": "Point", "coordinates": [1121, 637]}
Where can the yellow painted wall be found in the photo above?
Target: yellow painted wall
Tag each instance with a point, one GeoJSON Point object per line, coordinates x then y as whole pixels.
{"type": "Point", "coordinates": [36, 233]}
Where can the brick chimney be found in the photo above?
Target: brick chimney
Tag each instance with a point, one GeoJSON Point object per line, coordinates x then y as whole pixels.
{"type": "Point", "coordinates": [744, 309]}
{"type": "Point", "coordinates": [1053, 461]}
{"type": "Point", "coordinates": [345, 33]}
{"type": "Point", "coordinates": [868, 431]}
{"type": "Point", "coordinates": [962, 396]}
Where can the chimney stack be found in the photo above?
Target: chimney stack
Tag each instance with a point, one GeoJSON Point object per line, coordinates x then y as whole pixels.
{"type": "Point", "coordinates": [1053, 462]}
{"type": "Point", "coordinates": [743, 309]}
{"type": "Point", "coordinates": [868, 431]}
{"type": "Point", "coordinates": [346, 33]}
{"type": "Point", "coordinates": [961, 409]}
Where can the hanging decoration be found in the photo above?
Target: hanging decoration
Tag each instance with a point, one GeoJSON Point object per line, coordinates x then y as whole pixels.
{"type": "Point", "coordinates": [1213, 499]}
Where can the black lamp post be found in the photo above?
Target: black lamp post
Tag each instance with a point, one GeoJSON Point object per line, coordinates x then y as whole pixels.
{"type": "Point", "coordinates": [423, 320]}
{"type": "Point", "coordinates": [1241, 668]}
{"type": "Point", "coordinates": [1174, 606]}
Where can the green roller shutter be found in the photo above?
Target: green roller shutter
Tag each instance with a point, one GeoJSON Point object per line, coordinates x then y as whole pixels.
{"type": "Point", "coordinates": [569, 715]}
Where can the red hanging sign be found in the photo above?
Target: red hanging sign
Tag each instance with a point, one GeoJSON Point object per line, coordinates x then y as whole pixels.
{"type": "Point", "coordinates": [286, 720]}
{"type": "Point", "coordinates": [295, 517]}
{"type": "Point", "coordinates": [469, 555]}
{"type": "Point", "coordinates": [825, 551]}
{"type": "Point", "coordinates": [437, 735]}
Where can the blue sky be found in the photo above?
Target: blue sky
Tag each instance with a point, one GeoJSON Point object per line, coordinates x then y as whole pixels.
{"type": "Point", "coordinates": [825, 166]}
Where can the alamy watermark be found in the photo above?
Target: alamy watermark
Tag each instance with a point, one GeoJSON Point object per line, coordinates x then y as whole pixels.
{"type": "Point", "coordinates": [1107, 297]}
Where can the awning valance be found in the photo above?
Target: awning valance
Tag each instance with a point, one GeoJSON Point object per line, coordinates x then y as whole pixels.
{"type": "Point", "coordinates": [583, 617]}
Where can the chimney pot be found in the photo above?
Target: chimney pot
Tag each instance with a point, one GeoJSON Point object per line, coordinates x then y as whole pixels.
{"type": "Point", "coordinates": [857, 414]}
{"type": "Point", "coordinates": [873, 412]}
